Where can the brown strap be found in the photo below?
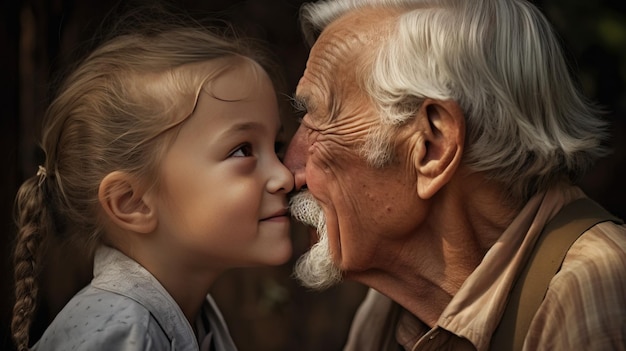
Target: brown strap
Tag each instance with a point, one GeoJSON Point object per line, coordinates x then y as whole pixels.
{"type": "Point", "coordinates": [530, 288]}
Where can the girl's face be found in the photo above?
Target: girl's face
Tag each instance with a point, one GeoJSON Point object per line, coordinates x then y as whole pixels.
{"type": "Point", "coordinates": [221, 201]}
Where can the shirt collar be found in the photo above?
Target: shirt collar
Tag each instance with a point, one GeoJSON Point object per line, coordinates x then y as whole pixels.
{"type": "Point", "coordinates": [117, 273]}
{"type": "Point", "coordinates": [475, 311]}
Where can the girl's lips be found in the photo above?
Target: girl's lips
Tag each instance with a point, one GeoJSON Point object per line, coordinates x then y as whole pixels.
{"type": "Point", "coordinates": [283, 218]}
{"type": "Point", "coordinates": [281, 215]}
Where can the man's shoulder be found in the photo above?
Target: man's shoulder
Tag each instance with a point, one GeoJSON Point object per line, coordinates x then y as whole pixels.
{"type": "Point", "coordinates": [595, 265]}
{"type": "Point", "coordinates": [601, 248]}
{"type": "Point", "coordinates": [584, 306]}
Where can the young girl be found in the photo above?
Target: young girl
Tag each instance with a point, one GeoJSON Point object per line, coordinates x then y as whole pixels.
{"type": "Point", "coordinates": [160, 157]}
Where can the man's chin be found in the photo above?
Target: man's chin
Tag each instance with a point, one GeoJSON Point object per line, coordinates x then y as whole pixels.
{"type": "Point", "coordinates": [316, 270]}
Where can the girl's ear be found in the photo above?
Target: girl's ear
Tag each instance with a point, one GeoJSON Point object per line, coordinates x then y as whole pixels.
{"type": "Point", "coordinates": [440, 150]}
{"type": "Point", "coordinates": [125, 202]}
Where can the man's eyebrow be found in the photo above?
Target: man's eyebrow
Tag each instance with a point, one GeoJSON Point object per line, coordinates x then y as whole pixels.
{"type": "Point", "coordinates": [302, 103]}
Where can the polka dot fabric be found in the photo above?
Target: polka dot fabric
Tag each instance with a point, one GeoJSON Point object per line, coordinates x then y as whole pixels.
{"type": "Point", "coordinates": [126, 308]}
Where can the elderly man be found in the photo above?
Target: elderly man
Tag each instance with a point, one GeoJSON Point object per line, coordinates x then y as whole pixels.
{"type": "Point", "coordinates": [439, 139]}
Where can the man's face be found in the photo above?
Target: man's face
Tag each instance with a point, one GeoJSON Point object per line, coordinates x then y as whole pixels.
{"type": "Point", "coordinates": [361, 208]}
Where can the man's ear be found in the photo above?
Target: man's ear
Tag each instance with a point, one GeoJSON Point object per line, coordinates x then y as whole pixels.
{"type": "Point", "coordinates": [124, 201]}
{"type": "Point", "coordinates": [440, 148]}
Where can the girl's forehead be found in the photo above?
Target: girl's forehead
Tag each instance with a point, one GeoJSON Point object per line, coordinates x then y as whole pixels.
{"type": "Point", "coordinates": [238, 81]}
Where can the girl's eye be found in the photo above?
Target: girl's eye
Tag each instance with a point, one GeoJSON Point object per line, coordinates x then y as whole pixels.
{"type": "Point", "coordinates": [244, 150]}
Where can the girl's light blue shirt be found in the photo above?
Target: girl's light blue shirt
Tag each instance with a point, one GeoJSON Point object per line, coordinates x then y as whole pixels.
{"type": "Point", "coordinates": [126, 308]}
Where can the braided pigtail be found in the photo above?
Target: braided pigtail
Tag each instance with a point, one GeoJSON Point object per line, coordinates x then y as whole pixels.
{"type": "Point", "coordinates": [118, 110]}
{"type": "Point", "coordinates": [33, 223]}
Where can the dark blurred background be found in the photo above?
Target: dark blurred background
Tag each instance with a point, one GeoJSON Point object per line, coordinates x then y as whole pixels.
{"type": "Point", "coordinates": [264, 307]}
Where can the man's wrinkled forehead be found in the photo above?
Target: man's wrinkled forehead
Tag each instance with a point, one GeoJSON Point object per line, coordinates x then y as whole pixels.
{"type": "Point", "coordinates": [355, 35]}
{"type": "Point", "coordinates": [342, 50]}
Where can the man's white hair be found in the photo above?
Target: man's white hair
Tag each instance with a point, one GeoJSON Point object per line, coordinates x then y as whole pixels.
{"type": "Point", "coordinates": [528, 126]}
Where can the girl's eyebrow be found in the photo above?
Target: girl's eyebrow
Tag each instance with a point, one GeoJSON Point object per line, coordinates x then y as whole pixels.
{"type": "Point", "coordinates": [240, 127]}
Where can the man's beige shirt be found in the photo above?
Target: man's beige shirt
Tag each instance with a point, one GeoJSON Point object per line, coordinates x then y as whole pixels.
{"type": "Point", "coordinates": [584, 307]}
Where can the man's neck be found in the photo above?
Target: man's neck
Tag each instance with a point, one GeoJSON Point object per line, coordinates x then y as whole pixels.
{"type": "Point", "coordinates": [428, 268]}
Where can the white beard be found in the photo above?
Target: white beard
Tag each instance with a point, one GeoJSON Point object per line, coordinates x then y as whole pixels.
{"type": "Point", "coordinates": [315, 269]}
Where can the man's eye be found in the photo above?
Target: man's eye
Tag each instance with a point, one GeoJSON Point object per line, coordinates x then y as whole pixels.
{"type": "Point", "coordinates": [279, 149]}
{"type": "Point", "coordinates": [244, 150]}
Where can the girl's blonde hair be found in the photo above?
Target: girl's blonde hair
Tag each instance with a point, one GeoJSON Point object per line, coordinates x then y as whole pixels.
{"type": "Point", "coordinates": [116, 111]}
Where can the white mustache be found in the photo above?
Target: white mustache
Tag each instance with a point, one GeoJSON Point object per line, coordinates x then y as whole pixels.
{"type": "Point", "coordinates": [315, 269]}
{"type": "Point", "coordinates": [306, 209]}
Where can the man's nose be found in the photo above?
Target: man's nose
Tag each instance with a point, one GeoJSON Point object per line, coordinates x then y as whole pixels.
{"type": "Point", "coordinates": [296, 157]}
